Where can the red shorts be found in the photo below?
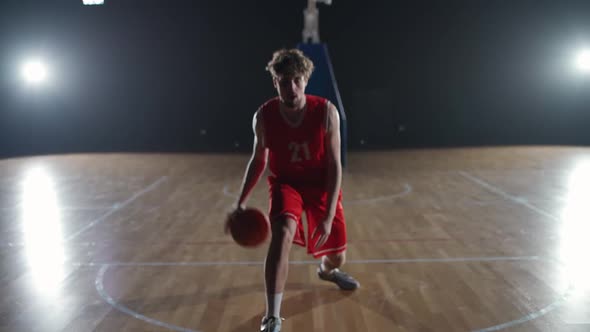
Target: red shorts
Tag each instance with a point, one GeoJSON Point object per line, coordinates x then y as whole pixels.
{"type": "Point", "coordinates": [287, 201]}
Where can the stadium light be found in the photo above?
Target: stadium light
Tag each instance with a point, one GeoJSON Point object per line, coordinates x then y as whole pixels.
{"type": "Point", "coordinates": [583, 61]}
{"type": "Point", "coordinates": [93, 2]}
{"type": "Point", "coordinates": [34, 72]}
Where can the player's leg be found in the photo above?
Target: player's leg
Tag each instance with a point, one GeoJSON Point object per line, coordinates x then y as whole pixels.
{"type": "Point", "coordinates": [333, 252]}
{"type": "Point", "coordinates": [333, 261]}
{"type": "Point", "coordinates": [285, 212]}
{"type": "Point", "coordinates": [329, 270]}
{"type": "Point", "coordinates": [276, 266]}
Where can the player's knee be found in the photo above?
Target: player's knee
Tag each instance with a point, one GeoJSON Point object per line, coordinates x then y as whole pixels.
{"type": "Point", "coordinates": [338, 259]}
{"type": "Point", "coordinates": [284, 229]}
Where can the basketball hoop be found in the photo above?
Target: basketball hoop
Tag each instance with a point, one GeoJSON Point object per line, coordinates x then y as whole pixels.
{"type": "Point", "coordinates": [311, 21]}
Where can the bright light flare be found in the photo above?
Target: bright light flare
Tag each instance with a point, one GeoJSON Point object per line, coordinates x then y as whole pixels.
{"type": "Point", "coordinates": [41, 221]}
{"type": "Point", "coordinates": [575, 228]}
{"type": "Point", "coordinates": [34, 71]}
{"type": "Point", "coordinates": [583, 61]}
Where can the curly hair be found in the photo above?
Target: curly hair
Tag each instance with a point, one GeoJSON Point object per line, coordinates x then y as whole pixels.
{"type": "Point", "coordinates": [290, 62]}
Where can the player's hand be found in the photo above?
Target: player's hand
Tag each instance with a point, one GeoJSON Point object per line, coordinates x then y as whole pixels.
{"type": "Point", "coordinates": [322, 232]}
{"type": "Point", "coordinates": [231, 216]}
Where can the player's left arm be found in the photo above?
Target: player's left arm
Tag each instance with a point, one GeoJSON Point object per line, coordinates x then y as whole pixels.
{"type": "Point", "coordinates": [334, 159]}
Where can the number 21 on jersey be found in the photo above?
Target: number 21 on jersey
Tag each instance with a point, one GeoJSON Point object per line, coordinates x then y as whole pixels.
{"type": "Point", "coordinates": [299, 151]}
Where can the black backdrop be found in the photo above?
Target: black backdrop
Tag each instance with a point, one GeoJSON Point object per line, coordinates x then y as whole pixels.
{"type": "Point", "coordinates": [187, 75]}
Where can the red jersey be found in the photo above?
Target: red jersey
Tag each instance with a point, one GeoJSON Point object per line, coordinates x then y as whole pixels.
{"type": "Point", "coordinates": [297, 151]}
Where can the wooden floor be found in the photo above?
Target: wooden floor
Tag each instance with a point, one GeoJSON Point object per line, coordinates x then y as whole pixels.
{"type": "Point", "coordinates": [481, 239]}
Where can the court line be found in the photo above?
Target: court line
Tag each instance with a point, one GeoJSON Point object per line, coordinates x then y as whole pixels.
{"type": "Point", "coordinates": [101, 291]}
{"type": "Point", "coordinates": [382, 240]}
{"type": "Point", "coordinates": [502, 193]}
{"type": "Point", "coordinates": [407, 189]}
{"type": "Point", "coordinates": [65, 208]}
{"type": "Point", "coordinates": [231, 243]}
{"type": "Point", "coordinates": [533, 315]}
{"type": "Point", "coordinates": [562, 298]}
{"type": "Point", "coordinates": [314, 262]}
{"type": "Point", "coordinates": [116, 207]}
{"type": "Point", "coordinates": [86, 208]}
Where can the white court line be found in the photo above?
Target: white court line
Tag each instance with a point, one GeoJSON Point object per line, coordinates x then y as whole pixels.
{"type": "Point", "coordinates": [116, 207]}
{"type": "Point", "coordinates": [86, 208]}
{"type": "Point", "coordinates": [65, 208]}
{"type": "Point", "coordinates": [562, 298]}
{"type": "Point", "coordinates": [100, 289]}
{"type": "Point", "coordinates": [82, 244]}
{"type": "Point", "coordinates": [313, 262]}
{"type": "Point", "coordinates": [533, 315]}
{"type": "Point", "coordinates": [514, 199]}
{"type": "Point", "coordinates": [406, 191]}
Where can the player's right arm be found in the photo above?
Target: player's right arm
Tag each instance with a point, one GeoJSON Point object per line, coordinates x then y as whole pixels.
{"type": "Point", "coordinates": [257, 163]}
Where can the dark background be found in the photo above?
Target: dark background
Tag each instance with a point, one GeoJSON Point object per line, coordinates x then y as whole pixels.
{"type": "Point", "coordinates": [179, 75]}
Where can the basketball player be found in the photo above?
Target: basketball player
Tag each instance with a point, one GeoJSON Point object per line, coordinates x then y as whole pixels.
{"type": "Point", "coordinates": [299, 136]}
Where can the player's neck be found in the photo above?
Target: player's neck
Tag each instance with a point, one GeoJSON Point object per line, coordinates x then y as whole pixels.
{"type": "Point", "coordinates": [293, 115]}
{"type": "Point", "coordinates": [294, 108]}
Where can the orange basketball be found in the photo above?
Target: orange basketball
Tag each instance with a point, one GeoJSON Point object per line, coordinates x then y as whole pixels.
{"type": "Point", "coordinates": [249, 227]}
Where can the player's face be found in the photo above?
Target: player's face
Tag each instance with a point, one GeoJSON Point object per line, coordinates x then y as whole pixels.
{"type": "Point", "coordinates": [291, 90]}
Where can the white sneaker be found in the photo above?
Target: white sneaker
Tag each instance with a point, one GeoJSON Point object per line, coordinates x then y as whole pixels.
{"type": "Point", "coordinates": [343, 280]}
{"type": "Point", "coordinates": [271, 324]}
